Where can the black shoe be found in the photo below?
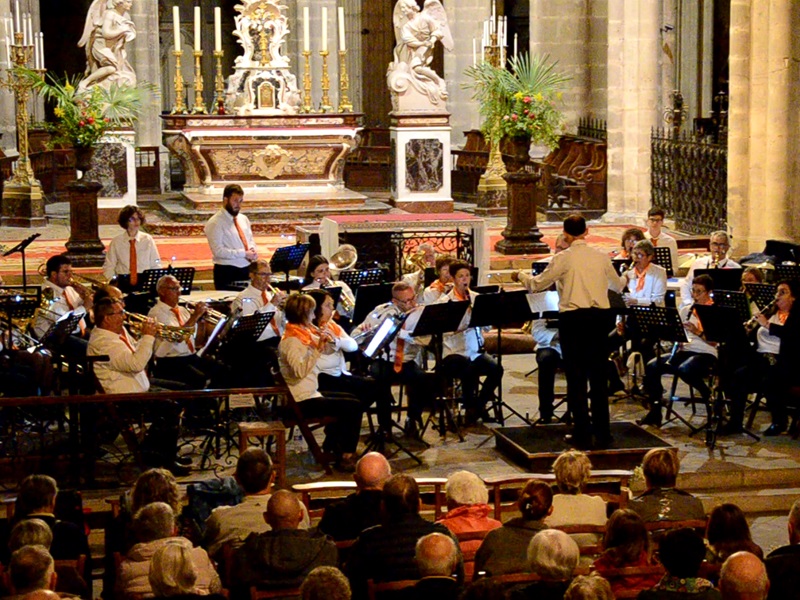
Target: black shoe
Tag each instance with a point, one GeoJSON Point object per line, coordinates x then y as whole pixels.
{"type": "Point", "coordinates": [179, 470]}
{"type": "Point", "coordinates": [730, 428]}
{"type": "Point", "coordinates": [184, 461]}
{"type": "Point", "coordinates": [410, 429]}
{"type": "Point", "coordinates": [545, 420]}
{"type": "Point", "coordinates": [775, 429]}
{"type": "Point", "coordinates": [579, 442]}
{"type": "Point", "coordinates": [651, 418]}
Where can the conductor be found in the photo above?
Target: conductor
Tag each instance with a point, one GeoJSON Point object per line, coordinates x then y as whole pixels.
{"type": "Point", "coordinates": [584, 275]}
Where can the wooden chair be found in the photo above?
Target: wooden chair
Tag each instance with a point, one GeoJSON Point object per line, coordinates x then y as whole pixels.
{"type": "Point", "coordinates": [699, 524]}
{"type": "Point", "coordinates": [375, 589]}
{"type": "Point", "coordinates": [586, 549]}
{"type": "Point", "coordinates": [468, 550]}
{"type": "Point", "coordinates": [626, 573]}
{"type": "Point", "coordinates": [269, 594]}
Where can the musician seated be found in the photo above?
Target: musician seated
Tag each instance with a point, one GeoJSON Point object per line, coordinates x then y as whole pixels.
{"type": "Point", "coordinates": [318, 274]}
{"type": "Point", "coordinates": [751, 275]}
{"type": "Point", "coordinates": [261, 297]}
{"type": "Point", "coordinates": [400, 362]}
{"type": "Point", "coordinates": [133, 251]}
{"type": "Point", "coordinates": [719, 245]}
{"type": "Point", "coordinates": [629, 238]}
{"type": "Point", "coordinates": [463, 353]}
{"type": "Point", "coordinates": [692, 362]}
{"type": "Point", "coordinates": [443, 284]}
{"type": "Point", "coordinates": [333, 374]}
{"type": "Point", "coordinates": [299, 353]}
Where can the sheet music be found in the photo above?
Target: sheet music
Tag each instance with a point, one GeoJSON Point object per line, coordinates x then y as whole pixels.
{"type": "Point", "coordinates": [543, 301]}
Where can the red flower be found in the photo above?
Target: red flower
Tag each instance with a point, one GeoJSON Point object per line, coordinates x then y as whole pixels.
{"type": "Point", "coordinates": [526, 99]}
{"type": "Point", "coordinates": [514, 117]}
{"type": "Point", "coordinates": [91, 120]}
{"type": "Point", "coordinates": [81, 124]}
{"type": "Point", "coordinates": [525, 111]}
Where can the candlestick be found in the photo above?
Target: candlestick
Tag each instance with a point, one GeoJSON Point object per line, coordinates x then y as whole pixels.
{"type": "Point", "coordinates": [344, 84]}
{"type": "Point", "coordinates": [325, 29]}
{"type": "Point", "coordinates": [306, 29]}
{"type": "Point", "coordinates": [180, 106]}
{"type": "Point", "coordinates": [176, 21]}
{"type": "Point", "coordinates": [197, 29]}
{"type": "Point", "coordinates": [217, 29]}
{"type": "Point", "coordinates": [325, 106]}
{"type": "Point", "coordinates": [219, 83]}
{"type": "Point", "coordinates": [199, 106]}
{"type": "Point", "coordinates": [307, 82]}
{"type": "Point", "coordinates": [342, 45]}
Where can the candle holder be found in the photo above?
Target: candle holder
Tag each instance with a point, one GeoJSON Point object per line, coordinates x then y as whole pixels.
{"type": "Point", "coordinates": [199, 106]}
{"type": "Point", "coordinates": [325, 107]}
{"type": "Point", "coordinates": [307, 82]}
{"type": "Point", "coordinates": [219, 83]}
{"type": "Point", "coordinates": [344, 84]}
{"type": "Point", "coordinates": [492, 179]}
{"type": "Point", "coordinates": [180, 105]}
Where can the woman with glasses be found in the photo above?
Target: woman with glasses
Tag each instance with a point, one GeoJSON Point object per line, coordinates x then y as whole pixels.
{"type": "Point", "coordinates": [132, 252]}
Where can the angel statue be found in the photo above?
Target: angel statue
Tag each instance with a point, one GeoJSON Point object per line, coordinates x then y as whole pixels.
{"type": "Point", "coordinates": [108, 28]}
{"type": "Point", "coordinates": [416, 33]}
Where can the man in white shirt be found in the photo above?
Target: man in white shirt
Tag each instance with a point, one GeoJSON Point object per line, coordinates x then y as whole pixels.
{"type": "Point", "coordinates": [66, 298]}
{"type": "Point", "coordinates": [231, 240]}
{"type": "Point", "coordinates": [719, 244]}
{"type": "Point", "coordinates": [132, 252]}
{"type": "Point", "coordinates": [261, 297]}
{"type": "Point", "coordinates": [654, 233]}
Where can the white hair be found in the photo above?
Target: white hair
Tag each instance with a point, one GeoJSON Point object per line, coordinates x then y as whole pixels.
{"type": "Point", "coordinates": [552, 555]}
{"type": "Point", "coordinates": [172, 571]}
{"type": "Point", "coordinates": [436, 554]}
{"type": "Point", "coordinates": [465, 488]}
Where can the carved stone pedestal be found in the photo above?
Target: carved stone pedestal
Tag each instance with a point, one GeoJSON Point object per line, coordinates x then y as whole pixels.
{"type": "Point", "coordinates": [23, 205]}
{"type": "Point", "coordinates": [84, 247]}
{"type": "Point", "coordinates": [521, 235]}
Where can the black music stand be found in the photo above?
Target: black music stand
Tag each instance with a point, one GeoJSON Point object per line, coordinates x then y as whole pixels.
{"type": "Point", "coordinates": [436, 320]}
{"type": "Point", "coordinates": [788, 272]}
{"type": "Point", "coordinates": [724, 279]}
{"type": "Point", "coordinates": [288, 258]}
{"type": "Point", "coordinates": [246, 330]}
{"type": "Point", "coordinates": [184, 275]}
{"type": "Point", "coordinates": [58, 331]}
{"type": "Point", "coordinates": [368, 297]}
{"type": "Point", "coordinates": [735, 300]}
{"type": "Point", "coordinates": [501, 310]}
{"type": "Point", "coordinates": [761, 293]}
{"type": "Point", "coordinates": [355, 278]}
{"type": "Point", "coordinates": [334, 290]}
{"type": "Point", "coordinates": [18, 306]}
{"type": "Point", "coordinates": [538, 266]}
{"type": "Point", "coordinates": [21, 247]}
{"type": "Point", "coordinates": [621, 264]}
{"type": "Point", "coordinates": [663, 258]}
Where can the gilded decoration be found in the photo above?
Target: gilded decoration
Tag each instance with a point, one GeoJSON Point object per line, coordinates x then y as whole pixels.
{"type": "Point", "coordinates": [270, 161]}
{"type": "Point", "coordinates": [288, 162]}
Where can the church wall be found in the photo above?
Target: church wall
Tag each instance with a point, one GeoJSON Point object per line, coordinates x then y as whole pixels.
{"type": "Point", "coordinates": [144, 54]}
{"type": "Point", "coordinates": [598, 60]}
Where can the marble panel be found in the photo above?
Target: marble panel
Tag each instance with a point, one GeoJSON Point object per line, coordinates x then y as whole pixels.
{"type": "Point", "coordinates": [110, 168]}
{"type": "Point", "coordinates": [424, 165]}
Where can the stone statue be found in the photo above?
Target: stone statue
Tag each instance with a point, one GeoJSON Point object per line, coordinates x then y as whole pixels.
{"type": "Point", "coordinates": [108, 28]}
{"type": "Point", "coordinates": [410, 74]}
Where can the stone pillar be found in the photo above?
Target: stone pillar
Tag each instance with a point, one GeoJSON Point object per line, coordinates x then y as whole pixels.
{"type": "Point", "coordinates": [521, 235]}
{"type": "Point", "coordinates": [145, 58]}
{"type": "Point", "coordinates": [763, 140]}
{"type": "Point", "coordinates": [84, 247]}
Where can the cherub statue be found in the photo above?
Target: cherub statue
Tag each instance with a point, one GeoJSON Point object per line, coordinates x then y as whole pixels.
{"type": "Point", "coordinates": [416, 33]}
{"type": "Point", "coordinates": [108, 28]}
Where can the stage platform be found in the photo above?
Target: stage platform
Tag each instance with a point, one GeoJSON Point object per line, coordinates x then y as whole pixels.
{"type": "Point", "coordinates": [535, 448]}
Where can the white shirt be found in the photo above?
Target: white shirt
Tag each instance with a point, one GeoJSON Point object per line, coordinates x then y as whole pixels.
{"type": "Point", "coordinates": [251, 301]}
{"type": "Point", "coordinates": [163, 314]}
{"type": "Point", "coordinates": [768, 343]}
{"type": "Point", "coordinates": [584, 275]}
{"type": "Point", "coordinates": [412, 346]}
{"type": "Point", "coordinates": [655, 285]}
{"type": "Point", "coordinates": [124, 372]}
{"type": "Point", "coordinates": [226, 245]}
{"type": "Point", "coordinates": [704, 262]}
{"type": "Point", "coordinates": [432, 293]}
{"type": "Point", "coordinates": [346, 292]}
{"type": "Point", "coordinates": [118, 256]}
{"type": "Point", "coordinates": [298, 364]}
{"type": "Point", "coordinates": [695, 343]}
{"type": "Point", "coordinates": [465, 342]}
{"type": "Point", "coordinates": [665, 240]}
{"type": "Point", "coordinates": [64, 300]}
{"type": "Point", "coordinates": [332, 362]}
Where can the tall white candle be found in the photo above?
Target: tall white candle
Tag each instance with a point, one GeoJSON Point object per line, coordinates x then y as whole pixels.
{"type": "Point", "coordinates": [325, 28]}
{"type": "Point", "coordinates": [485, 40]}
{"type": "Point", "coordinates": [342, 46]}
{"type": "Point", "coordinates": [176, 27]}
{"type": "Point", "coordinates": [36, 51]}
{"type": "Point", "coordinates": [516, 41]}
{"type": "Point", "coordinates": [25, 29]}
{"type": "Point", "coordinates": [8, 50]}
{"type": "Point", "coordinates": [41, 49]}
{"type": "Point", "coordinates": [197, 29]}
{"type": "Point", "coordinates": [505, 31]}
{"type": "Point", "coordinates": [16, 16]}
{"type": "Point", "coordinates": [30, 29]}
{"type": "Point", "coordinates": [306, 29]}
{"type": "Point", "coordinates": [217, 29]}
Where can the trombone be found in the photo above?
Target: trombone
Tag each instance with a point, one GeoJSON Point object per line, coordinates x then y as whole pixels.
{"type": "Point", "coordinates": [168, 333]}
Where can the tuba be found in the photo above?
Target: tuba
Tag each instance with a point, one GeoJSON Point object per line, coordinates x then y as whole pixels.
{"type": "Point", "coordinates": [344, 258]}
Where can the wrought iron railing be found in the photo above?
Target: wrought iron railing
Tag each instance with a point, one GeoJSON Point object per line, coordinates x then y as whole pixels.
{"type": "Point", "coordinates": [593, 128]}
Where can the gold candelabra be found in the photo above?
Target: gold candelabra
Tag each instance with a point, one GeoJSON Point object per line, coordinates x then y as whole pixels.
{"type": "Point", "coordinates": [219, 83]}
{"type": "Point", "coordinates": [180, 105]}
{"type": "Point", "coordinates": [326, 84]}
{"type": "Point", "coordinates": [492, 178]}
{"type": "Point", "coordinates": [199, 105]}
{"type": "Point", "coordinates": [344, 84]}
{"type": "Point", "coordinates": [307, 82]}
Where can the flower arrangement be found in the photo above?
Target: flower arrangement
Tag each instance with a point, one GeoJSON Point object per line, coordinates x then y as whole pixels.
{"type": "Point", "coordinates": [520, 101]}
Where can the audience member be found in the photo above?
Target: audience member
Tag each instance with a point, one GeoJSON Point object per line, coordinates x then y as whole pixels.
{"type": "Point", "coordinates": [154, 527]}
{"type": "Point", "coordinates": [42, 595]}
{"type": "Point", "coordinates": [325, 583]}
{"type": "Point", "coordinates": [31, 568]}
{"type": "Point", "coordinates": [589, 587]}
{"type": "Point", "coordinates": [284, 555]}
{"type": "Point", "coordinates": [783, 564]}
{"type": "Point", "coordinates": [174, 575]}
{"type": "Point", "coordinates": [553, 556]}
{"type": "Point", "coordinates": [437, 559]}
{"type": "Point", "coordinates": [386, 552]}
{"type": "Point", "coordinates": [662, 501]}
{"type": "Point", "coordinates": [743, 577]}
{"type": "Point", "coordinates": [500, 552]}
{"type": "Point", "coordinates": [346, 519]}
{"type": "Point", "coordinates": [468, 512]}
{"type": "Point", "coordinates": [727, 532]}
{"type": "Point", "coordinates": [234, 523]}
{"type": "Point", "coordinates": [485, 588]}
{"type": "Point", "coordinates": [626, 544]}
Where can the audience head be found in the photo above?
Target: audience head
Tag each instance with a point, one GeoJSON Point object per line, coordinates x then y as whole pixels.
{"type": "Point", "coordinates": [325, 583]}
{"type": "Point", "coordinates": [400, 497]}
{"type": "Point", "coordinates": [127, 217]}
{"type": "Point", "coordinates": [254, 471]}
{"type": "Point", "coordinates": [484, 589]}
{"type": "Point", "coordinates": [794, 523]}
{"type": "Point", "coordinates": [283, 511]}
{"type": "Point", "coordinates": [172, 572]}
{"type": "Point", "coordinates": [436, 555]}
{"type": "Point", "coordinates": [372, 471]}
{"type": "Point", "coordinates": [661, 467]}
{"type": "Point", "coordinates": [32, 568]}
{"type": "Point", "coordinates": [464, 489]}
{"type": "Point", "coordinates": [727, 523]}
{"type": "Point", "coordinates": [535, 500]}
{"type": "Point", "coordinates": [552, 555]}
{"type": "Point", "coordinates": [743, 577]}
{"type": "Point", "coordinates": [154, 521]}
{"type": "Point", "coordinates": [589, 587]}
{"type": "Point", "coordinates": [41, 595]}
{"type": "Point", "coordinates": [572, 469]}
{"type": "Point", "coordinates": [30, 532]}
{"type": "Point", "coordinates": [682, 551]}
{"type": "Point", "coordinates": [626, 537]}
{"type": "Point", "coordinates": [37, 494]}
{"type": "Point", "coordinates": [156, 485]}
{"type": "Point", "coordinates": [574, 227]}
{"type": "Point", "coordinates": [299, 308]}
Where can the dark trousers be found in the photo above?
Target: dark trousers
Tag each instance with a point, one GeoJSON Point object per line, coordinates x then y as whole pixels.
{"type": "Point", "coordinates": [548, 361]}
{"type": "Point", "coordinates": [754, 376]}
{"type": "Point", "coordinates": [692, 367]}
{"type": "Point", "coordinates": [225, 275]}
{"type": "Point", "coordinates": [187, 370]}
{"type": "Point", "coordinates": [365, 389]}
{"type": "Point", "coordinates": [341, 435]}
{"type": "Point", "coordinates": [420, 386]}
{"type": "Point", "coordinates": [584, 347]}
{"type": "Point", "coordinates": [469, 372]}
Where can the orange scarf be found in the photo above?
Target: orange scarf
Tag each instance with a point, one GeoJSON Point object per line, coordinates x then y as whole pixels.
{"type": "Point", "coordinates": [438, 286]}
{"type": "Point", "coordinates": [782, 317]}
{"type": "Point", "coordinates": [301, 332]}
{"type": "Point", "coordinates": [640, 277]}
{"type": "Point", "coordinates": [334, 328]}
{"type": "Point", "coordinates": [459, 297]}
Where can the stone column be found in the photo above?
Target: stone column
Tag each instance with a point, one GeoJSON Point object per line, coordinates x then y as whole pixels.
{"type": "Point", "coordinates": [145, 58]}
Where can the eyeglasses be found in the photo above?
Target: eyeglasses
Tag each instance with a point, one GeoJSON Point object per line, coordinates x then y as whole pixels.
{"type": "Point", "coordinates": [719, 245]}
{"type": "Point", "coordinates": [639, 255]}
{"type": "Point", "coordinates": [698, 290]}
{"type": "Point", "coordinates": [263, 274]}
{"type": "Point", "coordinates": [655, 219]}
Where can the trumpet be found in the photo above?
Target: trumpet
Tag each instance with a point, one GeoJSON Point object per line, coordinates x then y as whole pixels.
{"type": "Point", "coordinates": [211, 316]}
{"type": "Point", "coordinates": [168, 333]}
{"type": "Point", "coordinates": [752, 323]}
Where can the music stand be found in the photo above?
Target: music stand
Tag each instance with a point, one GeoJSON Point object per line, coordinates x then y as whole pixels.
{"type": "Point", "coordinates": [735, 300]}
{"type": "Point", "coordinates": [288, 258]}
{"type": "Point", "coordinates": [724, 279]}
{"type": "Point", "coordinates": [18, 306]}
{"type": "Point", "coordinates": [370, 296]}
{"type": "Point", "coordinates": [247, 330]}
{"type": "Point", "coordinates": [761, 293]}
{"type": "Point", "coordinates": [355, 278]}
{"type": "Point", "coordinates": [620, 264]}
{"type": "Point", "coordinates": [334, 290]}
{"type": "Point", "coordinates": [435, 321]}
{"type": "Point", "coordinates": [184, 275]}
{"type": "Point", "coordinates": [788, 272]}
{"type": "Point", "coordinates": [538, 266]}
{"type": "Point", "coordinates": [501, 310]}
{"type": "Point", "coordinates": [21, 247]}
{"type": "Point", "coordinates": [663, 258]}
{"type": "Point", "coordinates": [61, 328]}
{"type": "Point", "coordinates": [486, 289]}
